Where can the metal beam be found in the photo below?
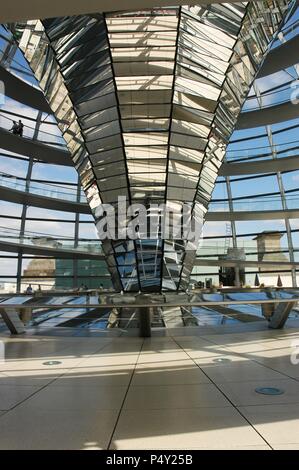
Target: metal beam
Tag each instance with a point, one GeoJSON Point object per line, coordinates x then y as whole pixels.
{"type": "Point", "coordinates": [178, 303]}
{"type": "Point", "coordinates": [266, 116]}
{"type": "Point", "coordinates": [64, 253]}
{"type": "Point", "coordinates": [36, 200]}
{"type": "Point", "coordinates": [248, 264]}
{"type": "Point", "coordinates": [23, 92]}
{"type": "Point", "coordinates": [280, 58]}
{"type": "Point", "coordinates": [252, 215]}
{"type": "Point", "coordinates": [259, 167]}
{"type": "Point", "coordinates": [12, 320]}
{"type": "Point", "coordinates": [34, 149]}
{"type": "Point", "coordinates": [31, 9]}
{"type": "Point", "coordinates": [280, 315]}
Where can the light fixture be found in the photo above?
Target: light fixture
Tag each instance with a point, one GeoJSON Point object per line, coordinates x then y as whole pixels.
{"type": "Point", "coordinates": [51, 363]}
{"type": "Point", "coordinates": [222, 359]}
{"type": "Point", "coordinates": [269, 391]}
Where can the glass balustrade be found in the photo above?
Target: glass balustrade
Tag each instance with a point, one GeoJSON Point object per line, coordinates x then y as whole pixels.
{"type": "Point", "coordinates": [70, 194]}
{"type": "Point", "coordinates": [42, 189]}
{"type": "Point", "coordinates": [43, 240]}
{"type": "Point", "coordinates": [244, 250]}
{"type": "Point", "coordinates": [253, 205]}
{"type": "Point", "coordinates": [288, 149]}
{"type": "Point", "coordinates": [29, 131]}
{"type": "Point", "coordinates": [207, 249]}
{"type": "Point", "coordinates": [267, 100]}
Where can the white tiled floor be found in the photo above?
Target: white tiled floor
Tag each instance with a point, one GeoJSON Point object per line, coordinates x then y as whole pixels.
{"type": "Point", "coordinates": [48, 429]}
{"type": "Point", "coordinates": [167, 373]}
{"type": "Point", "coordinates": [196, 428]}
{"type": "Point", "coordinates": [11, 395]}
{"type": "Point", "coordinates": [243, 393]}
{"type": "Point", "coordinates": [167, 392]}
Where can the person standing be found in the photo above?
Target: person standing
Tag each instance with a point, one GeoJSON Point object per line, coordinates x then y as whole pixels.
{"type": "Point", "coordinates": [29, 289]}
{"type": "Point", "coordinates": [15, 128]}
{"type": "Point", "coordinates": [20, 128]}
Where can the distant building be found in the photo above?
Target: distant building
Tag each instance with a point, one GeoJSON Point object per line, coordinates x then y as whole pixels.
{"type": "Point", "coordinates": [269, 249]}
{"type": "Point", "coordinates": [40, 271]}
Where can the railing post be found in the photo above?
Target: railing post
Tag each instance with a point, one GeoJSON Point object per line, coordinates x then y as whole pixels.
{"type": "Point", "coordinates": [144, 322]}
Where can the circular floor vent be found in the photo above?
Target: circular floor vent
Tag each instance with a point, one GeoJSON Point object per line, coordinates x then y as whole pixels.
{"type": "Point", "coordinates": [269, 391]}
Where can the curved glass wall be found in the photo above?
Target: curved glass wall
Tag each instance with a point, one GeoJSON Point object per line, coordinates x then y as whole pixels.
{"type": "Point", "coordinates": [274, 235]}
{"type": "Point", "coordinates": [31, 225]}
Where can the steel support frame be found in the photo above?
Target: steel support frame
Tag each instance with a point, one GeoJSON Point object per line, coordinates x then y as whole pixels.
{"type": "Point", "coordinates": [280, 186]}
{"type": "Point", "coordinates": [25, 206]}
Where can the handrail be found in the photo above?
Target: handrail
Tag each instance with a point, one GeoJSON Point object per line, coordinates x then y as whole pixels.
{"type": "Point", "coordinates": [246, 110]}
{"type": "Point", "coordinates": [255, 196]}
{"type": "Point", "coordinates": [266, 146]}
{"type": "Point", "coordinates": [261, 204]}
{"type": "Point", "coordinates": [94, 245]}
{"type": "Point", "coordinates": [276, 149]}
{"type": "Point", "coordinates": [41, 234]}
{"type": "Point", "coordinates": [4, 111]}
{"type": "Point", "coordinates": [160, 300]}
{"type": "Point", "coordinates": [60, 140]}
{"type": "Point", "coordinates": [45, 189]}
{"type": "Point", "coordinates": [73, 186]}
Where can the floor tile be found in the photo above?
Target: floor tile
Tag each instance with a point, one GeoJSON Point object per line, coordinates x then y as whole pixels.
{"type": "Point", "coordinates": [243, 393]}
{"type": "Point", "coordinates": [174, 396]}
{"type": "Point", "coordinates": [210, 428]}
{"type": "Point", "coordinates": [216, 359]}
{"type": "Point", "coordinates": [29, 378]}
{"type": "Point", "coordinates": [286, 446]}
{"type": "Point", "coordinates": [282, 365]}
{"type": "Point", "coordinates": [169, 373]}
{"type": "Point", "coordinates": [65, 430]}
{"type": "Point", "coordinates": [161, 357]}
{"type": "Point", "coordinates": [171, 403]}
{"type": "Point", "coordinates": [116, 359]}
{"type": "Point", "coordinates": [39, 365]}
{"type": "Point", "coordinates": [11, 395]}
{"type": "Point", "coordinates": [77, 398]}
{"type": "Point", "coordinates": [240, 372]}
{"type": "Point", "coordinates": [96, 376]}
{"type": "Point", "coordinates": [278, 424]}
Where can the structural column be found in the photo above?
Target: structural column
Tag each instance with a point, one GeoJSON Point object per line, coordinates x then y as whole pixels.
{"type": "Point", "coordinates": [145, 322]}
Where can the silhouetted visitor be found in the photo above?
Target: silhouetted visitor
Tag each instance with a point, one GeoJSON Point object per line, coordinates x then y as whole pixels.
{"type": "Point", "coordinates": [29, 289]}
{"type": "Point", "coordinates": [15, 128]}
{"type": "Point", "coordinates": [20, 128]}
{"type": "Point", "coordinates": [38, 292]}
